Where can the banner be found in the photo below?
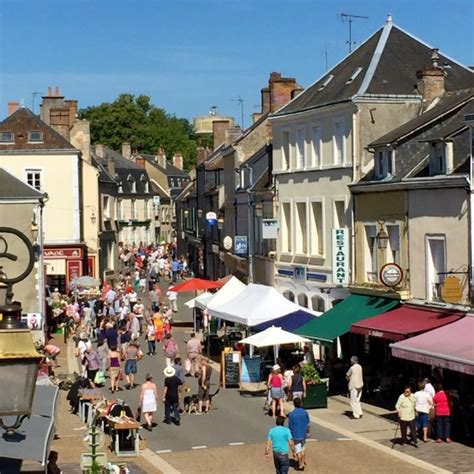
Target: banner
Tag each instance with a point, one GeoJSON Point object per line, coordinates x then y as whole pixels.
{"type": "Point", "coordinates": [340, 256]}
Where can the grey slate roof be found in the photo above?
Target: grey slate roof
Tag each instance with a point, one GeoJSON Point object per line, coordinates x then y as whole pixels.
{"type": "Point", "coordinates": [389, 60]}
{"type": "Point", "coordinates": [11, 188]}
{"type": "Point", "coordinates": [170, 169]}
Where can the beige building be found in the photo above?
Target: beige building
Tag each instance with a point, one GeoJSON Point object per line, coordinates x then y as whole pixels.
{"type": "Point", "coordinates": [320, 144]}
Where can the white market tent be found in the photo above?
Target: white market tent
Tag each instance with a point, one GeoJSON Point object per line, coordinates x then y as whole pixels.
{"type": "Point", "coordinates": [229, 291]}
{"type": "Point", "coordinates": [273, 336]}
{"type": "Point", "coordinates": [254, 305]}
{"type": "Point", "coordinates": [204, 298]}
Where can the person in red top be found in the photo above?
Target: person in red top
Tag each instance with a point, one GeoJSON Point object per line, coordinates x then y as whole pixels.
{"type": "Point", "coordinates": [443, 414]}
{"type": "Point", "coordinates": [275, 385]}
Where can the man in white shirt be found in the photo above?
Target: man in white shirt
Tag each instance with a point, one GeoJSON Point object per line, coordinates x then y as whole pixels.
{"type": "Point", "coordinates": [172, 298]}
{"type": "Point", "coordinates": [429, 387]}
{"type": "Point", "coordinates": [356, 383]}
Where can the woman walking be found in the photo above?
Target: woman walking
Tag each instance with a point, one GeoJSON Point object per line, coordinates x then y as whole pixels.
{"type": "Point", "coordinates": [114, 370]}
{"type": "Point", "coordinates": [92, 363]}
{"type": "Point", "coordinates": [158, 321]}
{"type": "Point", "coordinates": [170, 349]}
{"type": "Point", "coordinates": [423, 404]}
{"type": "Point", "coordinates": [148, 401]}
{"type": "Point", "coordinates": [297, 385]}
{"type": "Point", "coordinates": [442, 414]}
{"type": "Point", "coordinates": [151, 337]}
{"type": "Point", "coordinates": [406, 413]}
{"type": "Point", "coordinates": [275, 385]}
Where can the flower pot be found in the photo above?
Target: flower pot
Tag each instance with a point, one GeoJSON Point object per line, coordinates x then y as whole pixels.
{"type": "Point", "coordinates": [316, 396]}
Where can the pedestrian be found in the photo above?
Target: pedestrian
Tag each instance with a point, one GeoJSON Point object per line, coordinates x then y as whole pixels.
{"type": "Point", "coordinates": [429, 387]}
{"type": "Point", "coordinates": [131, 355]}
{"type": "Point", "coordinates": [148, 401]}
{"type": "Point", "coordinates": [299, 424]}
{"type": "Point", "coordinates": [443, 414]}
{"type": "Point", "coordinates": [297, 384]}
{"type": "Point", "coordinates": [423, 404]}
{"type": "Point", "coordinates": [171, 396]}
{"type": "Point", "coordinates": [53, 467]}
{"type": "Point", "coordinates": [103, 351]}
{"type": "Point", "coordinates": [280, 441]}
{"type": "Point", "coordinates": [172, 298]}
{"type": "Point", "coordinates": [170, 349]}
{"type": "Point", "coordinates": [114, 368]}
{"type": "Point", "coordinates": [92, 363]}
{"type": "Point", "coordinates": [178, 367]}
{"type": "Point", "coordinates": [151, 337]}
{"type": "Point", "coordinates": [133, 326]}
{"type": "Point", "coordinates": [275, 386]}
{"type": "Point", "coordinates": [405, 407]}
{"type": "Point", "coordinates": [111, 334]}
{"type": "Point", "coordinates": [356, 382]}
{"type": "Point", "coordinates": [154, 299]}
{"type": "Point", "coordinates": [204, 382]}
{"type": "Point", "coordinates": [194, 349]}
{"type": "Point", "coordinates": [81, 349]}
{"type": "Point", "coordinates": [175, 268]}
{"type": "Point", "coordinates": [308, 357]}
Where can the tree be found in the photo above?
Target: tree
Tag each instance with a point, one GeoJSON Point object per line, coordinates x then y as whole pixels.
{"type": "Point", "coordinates": [134, 119]}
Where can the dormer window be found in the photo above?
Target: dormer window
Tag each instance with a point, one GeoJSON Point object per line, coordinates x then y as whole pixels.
{"type": "Point", "coordinates": [383, 164]}
{"type": "Point", "coordinates": [438, 159]}
{"type": "Point", "coordinates": [132, 184]}
{"type": "Point", "coordinates": [120, 187]}
{"type": "Point", "coordinates": [147, 187]}
{"type": "Point", "coordinates": [35, 137]}
{"type": "Point", "coordinates": [7, 137]}
{"type": "Point", "coordinates": [326, 82]}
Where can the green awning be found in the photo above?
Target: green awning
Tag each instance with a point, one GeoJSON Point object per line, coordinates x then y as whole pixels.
{"type": "Point", "coordinates": [338, 320]}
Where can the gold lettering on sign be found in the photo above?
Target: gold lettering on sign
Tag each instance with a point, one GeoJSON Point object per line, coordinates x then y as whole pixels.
{"type": "Point", "coordinates": [451, 290]}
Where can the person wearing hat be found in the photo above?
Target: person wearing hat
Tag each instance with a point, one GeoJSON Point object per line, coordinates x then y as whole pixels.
{"type": "Point", "coordinates": [171, 396]}
{"type": "Point", "coordinates": [148, 398]}
{"type": "Point", "coordinates": [356, 382]}
{"type": "Point", "coordinates": [275, 386]}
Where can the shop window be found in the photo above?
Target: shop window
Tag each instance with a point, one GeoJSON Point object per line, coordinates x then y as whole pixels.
{"type": "Point", "coordinates": [289, 295]}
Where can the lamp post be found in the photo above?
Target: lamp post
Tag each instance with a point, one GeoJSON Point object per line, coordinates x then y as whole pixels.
{"type": "Point", "coordinates": [19, 360]}
{"type": "Point", "coordinates": [382, 239]}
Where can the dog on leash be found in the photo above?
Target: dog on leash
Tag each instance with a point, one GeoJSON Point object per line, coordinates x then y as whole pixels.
{"type": "Point", "coordinates": [191, 402]}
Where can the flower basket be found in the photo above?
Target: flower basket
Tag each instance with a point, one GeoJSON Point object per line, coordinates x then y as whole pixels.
{"type": "Point", "coordinates": [316, 391]}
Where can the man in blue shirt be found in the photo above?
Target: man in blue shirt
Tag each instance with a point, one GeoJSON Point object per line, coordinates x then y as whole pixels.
{"type": "Point", "coordinates": [280, 441]}
{"type": "Point", "coordinates": [175, 269]}
{"type": "Point", "coordinates": [299, 426]}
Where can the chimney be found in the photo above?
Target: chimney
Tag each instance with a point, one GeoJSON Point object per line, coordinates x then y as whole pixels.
{"type": "Point", "coordinates": [430, 80]}
{"type": "Point", "coordinates": [178, 160]}
{"type": "Point", "coordinates": [218, 131]}
{"type": "Point", "coordinates": [231, 134]}
{"type": "Point", "coordinates": [80, 135]}
{"type": "Point", "coordinates": [100, 151]}
{"type": "Point", "coordinates": [13, 106]}
{"type": "Point", "coordinates": [201, 154]}
{"type": "Point", "coordinates": [111, 166]}
{"type": "Point", "coordinates": [140, 161]}
{"type": "Point", "coordinates": [72, 106]}
{"type": "Point", "coordinates": [281, 90]}
{"type": "Point", "coordinates": [160, 158]}
{"type": "Point", "coordinates": [57, 93]}
{"type": "Point", "coordinates": [265, 100]}
{"type": "Point", "coordinates": [126, 150]}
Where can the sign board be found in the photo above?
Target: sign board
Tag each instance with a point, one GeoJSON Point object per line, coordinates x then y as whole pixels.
{"type": "Point", "coordinates": [451, 290]}
{"type": "Point", "coordinates": [299, 273]}
{"type": "Point", "coordinates": [227, 242]}
{"type": "Point", "coordinates": [156, 200]}
{"type": "Point", "coordinates": [269, 228]}
{"type": "Point", "coordinates": [241, 246]}
{"type": "Point", "coordinates": [340, 256]}
{"type": "Point", "coordinates": [215, 248]}
{"type": "Point", "coordinates": [62, 253]}
{"type": "Point", "coordinates": [211, 218]}
{"type": "Point", "coordinates": [391, 274]}
{"type": "Point", "coordinates": [73, 270]}
{"type": "Point", "coordinates": [231, 368]}
{"type": "Point", "coordinates": [251, 369]}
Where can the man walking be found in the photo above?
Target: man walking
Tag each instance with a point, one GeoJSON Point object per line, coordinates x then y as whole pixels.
{"type": "Point", "coordinates": [171, 396]}
{"type": "Point", "coordinates": [356, 383]}
{"type": "Point", "coordinates": [175, 269]}
{"type": "Point", "coordinates": [280, 441]}
{"type": "Point", "coordinates": [172, 298]}
{"type": "Point", "coordinates": [194, 351]}
{"type": "Point", "coordinates": [299, 423]}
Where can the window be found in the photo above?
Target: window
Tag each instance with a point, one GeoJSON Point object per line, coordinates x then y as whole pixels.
{"type": "Point", "coordinates": [133, 210]}
{"type": "Point", "coordinates": [7, 137]}
{"type": "Point", "coordinates": [370, 254]}
{"type": "Point", "coordinates": [435, 265]}
{"type": "Point", "coordinates": [285, 151]}
{"type": "Point", "coordinates": [301, 232]}
{"type": "Point", "coordinates": [354, 74]}
{"type": "Point", "coordinates": [317, 233]}
{"type": "Point", "coordinates": [289, 295]}
{"type": "Point", "coordinates": [286, 227]}
{"type": "Point", "coordinates": [106, 207]}
{"type": "Point", "coordinates": [393, 245]}
{"type": "Point", "coordinates": [339, 213]}
{"type": "Point", "coordinates": [317, 304]}
{"type": "Point", "coordinates": [133, 187]}
{"type": "Point", "coordinates": [33, 178]}
{"type": "Point", "coordinates": [146, 209]}
{"type": "Point", "coordinates": [326, 82]}
{"type": "Point", "coordinates": [338, 143]}
{"type": "Point", "coordinates": [438, 159]}
{"type": "Point", "coordinates": [120, 187]}
{"type": "Point", "coordinates": [383, 164]}
{"type": "Point", "coordinates": [35, 137]}
{"type": "Point", "coordinates": [119, 209]}
{"type": "Point", "coordinates": [300, 139]}
{"type": "Point", "coordinates": [303, 300]}
{"type": "Point", "coordinates": [316, 146]}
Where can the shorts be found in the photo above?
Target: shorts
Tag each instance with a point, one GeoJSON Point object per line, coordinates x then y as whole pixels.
{"type": "Point", "coordinates": [297, 395]}
{"type": "Point", "coordinates": [299, 445]}
{"type": "Point", "coordinates": [276, 393]}
{"type": "Point", "coordinates": [422, 419]}
{"type": "Point", "coordinates": [130, 366]}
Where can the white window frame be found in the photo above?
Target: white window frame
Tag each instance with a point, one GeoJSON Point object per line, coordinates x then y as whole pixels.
{"type": "Point", "coordinates": [366, 248]}
{"type": "Point", "coordinates": [133, 209]}
{"type": "Point", "coordinates": [106, 200]}
{"type": "Point", "coordinates": [316, 162]}
{"type": "Point", "coordinates": [389, 246]}
{"type": "Point", "coordinates": [119, 209]}
{"type": "Point", "coordinates": [428, 238]}
{"type": "Point", "coordinates": [7, 142]}
{"type": "Point", "coordinates": [286, 161]}
{"type": "Point", "coordinates": [301, 252]}
{"type": "Point", "coordinates": [335, 199]}
{"type": "Point", "coordinates": [321, 250]}
{"type": "Point", "coordinates": [41, 177]}
{"type": "Point", "coordinates": [334, 141]}
{"type": "Point", "coordinates": [35, 141]}
{"type": "Point", "coordinates": [434, 164]}
{"type": "Point", "coordinates": [300, 158]}
{"type": "Point", "coordinates": [286, 249]}
{"type": "Point", "coordinates": [384, 167]}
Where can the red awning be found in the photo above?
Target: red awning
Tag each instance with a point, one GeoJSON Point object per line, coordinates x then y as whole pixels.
{"type": "Point", "coordinates": [405, 321]}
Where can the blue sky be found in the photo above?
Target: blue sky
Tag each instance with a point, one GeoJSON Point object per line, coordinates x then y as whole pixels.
{"type": "Point", "coordinates": [189, 55]}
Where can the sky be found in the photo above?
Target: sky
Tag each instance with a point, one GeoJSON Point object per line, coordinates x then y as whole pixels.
{"type": "Point", "coordinates": [190, 55]}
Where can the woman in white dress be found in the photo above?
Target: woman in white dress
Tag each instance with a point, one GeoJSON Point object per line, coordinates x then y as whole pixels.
{"type": "Point", "coordinates": [148, 398]}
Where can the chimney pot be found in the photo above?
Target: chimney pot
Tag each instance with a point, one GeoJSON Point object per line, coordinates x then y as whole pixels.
{"type": "Point", "coordinates": [178, 160]}
{"type": "Point", "coordinates": [57, 94]}
{"type": "Point", "coordinates": [13, 106]}
{"type": "Point", "coordinates": [435, 57]}
{"type": "Point", "coordinates": [127, 150]}
{"type": "Point", "coordinates": [430, 79]}
{"type": "Point", "coordinates": [50, 91]}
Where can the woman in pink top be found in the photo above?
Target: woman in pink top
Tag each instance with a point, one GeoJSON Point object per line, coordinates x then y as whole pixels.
{"type": "Point", "coordinates": [443, 414]}
{"type": "Point", "coordinates": [275, 385]}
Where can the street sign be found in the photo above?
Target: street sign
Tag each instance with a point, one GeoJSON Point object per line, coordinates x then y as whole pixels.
{"type": "Point", "coordinates": [340, 256]}
{"type": "Point", "coordinates": [391, 274]}
{"type": "Point", "coordinates": [241, 244]}
{"type": "Point", "coordinates": [269, 228]}
{"type": "Point", "coordinates": [211, 218]}
{"type": "Point", "coordinates": [299, 273]}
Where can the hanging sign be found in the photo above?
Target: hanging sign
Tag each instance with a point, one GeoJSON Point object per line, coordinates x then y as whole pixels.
{"type": "Point", "coordinates": [269, 228]}
{"type": "Point", "coordinates": [227, 242]}
{"type": "Point", "coordinates": [240, 244]}
{"type": "Point", "coordinates": [391, 274]}
{"type": "Point", "coordinates": [451, 290]}
{"type": "Point", "coordinates": [211, 218]}
{"type": "Point", "coordinates": [340, 256]}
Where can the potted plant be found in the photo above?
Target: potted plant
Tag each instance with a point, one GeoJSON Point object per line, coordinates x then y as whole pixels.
{"type": "Point", "coordinates": [316, 391]}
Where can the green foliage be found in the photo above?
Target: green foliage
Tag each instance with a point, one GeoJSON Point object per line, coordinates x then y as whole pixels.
{"type": "Point", "coordinates": [310, 374]}
{"type": "Point", "coordinates": [134, 119]}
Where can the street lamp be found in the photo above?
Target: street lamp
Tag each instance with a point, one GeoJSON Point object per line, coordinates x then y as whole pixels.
{"type": "Point", "coordinates": [259, 209]}
{"type": "Point", "coordinates": [382, 239]}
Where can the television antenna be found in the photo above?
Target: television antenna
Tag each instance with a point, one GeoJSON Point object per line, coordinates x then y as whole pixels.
{"type": "Point", "coordinates": [240, 101]}
{"type": "Point", "coordinates": [350, 18]}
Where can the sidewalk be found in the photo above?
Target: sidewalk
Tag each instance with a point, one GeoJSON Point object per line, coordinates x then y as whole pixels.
{"type": "Point", "coordinates": [376, 428]}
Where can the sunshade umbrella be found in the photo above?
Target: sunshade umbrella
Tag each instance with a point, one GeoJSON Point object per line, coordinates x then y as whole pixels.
{"type": "Point", "coordinates": [196, 284]}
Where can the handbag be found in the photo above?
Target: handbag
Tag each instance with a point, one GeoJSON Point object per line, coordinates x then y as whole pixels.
{"type": "Point", "coordinates": [121, 376]}
{"type": "Point", "coordinates": [99, 378]}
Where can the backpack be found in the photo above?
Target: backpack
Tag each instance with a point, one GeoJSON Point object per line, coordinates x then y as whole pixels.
{"type": "Point", "coordinates": [171, 349]}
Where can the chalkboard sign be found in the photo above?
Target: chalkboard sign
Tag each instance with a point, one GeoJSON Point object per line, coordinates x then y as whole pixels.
{"type": "Point", "coordinates": [231, 368]}
{"type": "Point", "coordinates": [251, 369]}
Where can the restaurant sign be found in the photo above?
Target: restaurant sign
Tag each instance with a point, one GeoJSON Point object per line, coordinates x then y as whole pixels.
{"type": "Point", "coordinates": [62, 253]}
{"type": "Point", "coordinates": [391, 274]}
{"type": "Point", "coordinates": [451, 290]}
{"type": "Point", "coordinates": [340, 256]}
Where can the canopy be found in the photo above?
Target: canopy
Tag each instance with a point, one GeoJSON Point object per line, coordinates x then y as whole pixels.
{"type": "Point", "coordinates": [254, 305]}
{"type": "Point", "coordinates": [273, 336]}
{"type": "Point", "coordinates": [450, 347]}
{"type": "Point", "coordinates": [406, 321]}
{"type": "Point", "coordinates": [86, 282]}
{"type": "Point", "coordinates": [196, 284]}
{"type": "Point", "coordinates": [230, 290]}
{"type": "Point", "coordinates": [204, 298]}
{"type": "Point", "coordinates": [338, 320]}
{"type": "Point", "coordinates": [289, 322]}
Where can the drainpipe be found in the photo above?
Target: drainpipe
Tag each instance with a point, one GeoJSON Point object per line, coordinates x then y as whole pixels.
{"type": "Point", "coordinates": [251, 224]}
